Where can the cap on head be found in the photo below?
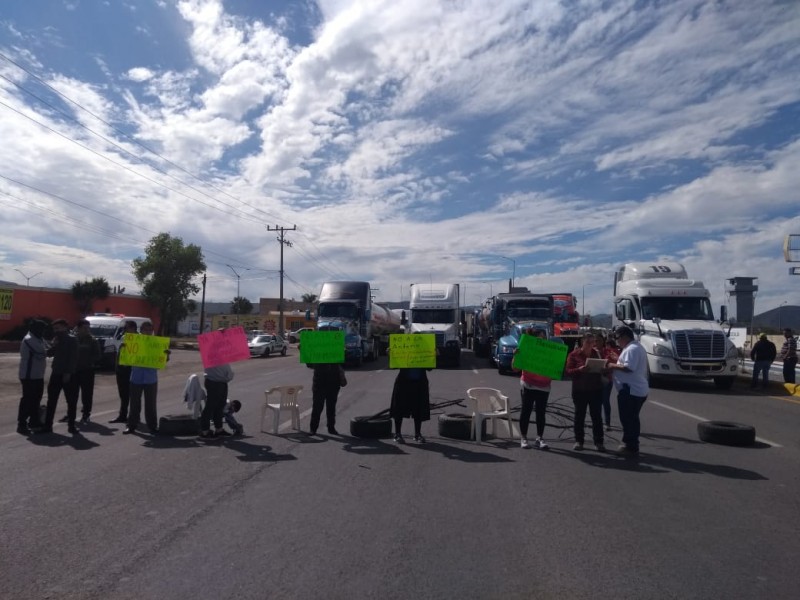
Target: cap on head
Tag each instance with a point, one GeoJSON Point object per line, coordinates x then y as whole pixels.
{"type": "Point", "coordinates": [762, 336]}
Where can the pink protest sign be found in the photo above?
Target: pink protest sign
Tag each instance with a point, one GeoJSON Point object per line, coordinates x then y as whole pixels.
{"type": "Point", "coordinates": [222, 347]}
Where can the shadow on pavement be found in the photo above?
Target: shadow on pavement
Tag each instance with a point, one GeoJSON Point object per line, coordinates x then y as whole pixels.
{"type": "Point", "coordinates": [457, 452]}
{"type": "Point", "coordinates": [54, 440]}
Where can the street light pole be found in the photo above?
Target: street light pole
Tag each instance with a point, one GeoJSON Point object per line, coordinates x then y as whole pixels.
{"type": "Point", "coordinates": [28, 279]}
{"type": "Point", "coordinates": [780, 312]}
{"type": "Point", "coordinates": [513, 269]}
{"type": "Point", "coordinates": [238, 296]}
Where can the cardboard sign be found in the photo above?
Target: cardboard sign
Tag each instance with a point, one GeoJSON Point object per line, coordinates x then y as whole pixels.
{"type": "Point", "coordinates": [412, 351]}
{"type": "Point", "coordinates": [539, 356]}
{"type": "Point", "coordinates": [144, 351]}
{"type": "Point", "coordinates": [6, 303]}
{"type": "Point", "coordinates": [321, 347]}
{"type": "Point", "coordinates": [223, 347]}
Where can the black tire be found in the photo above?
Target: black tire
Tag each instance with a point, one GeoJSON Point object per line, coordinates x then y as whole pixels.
{"type": "Point", "coordinates": [283, 351]}
{"type": "Point", "coordinates": [371, 427]}
{"type": "Point", "coordinates": [724, 383]}
{"type": "Point", "coordinates": [265, 354]}
{"type": "Point", "coordinates": [726, 433]}
{"type": "Point", "coordinates": [178, 425]}
{"type": "Point", "coordinates": [458, 426]}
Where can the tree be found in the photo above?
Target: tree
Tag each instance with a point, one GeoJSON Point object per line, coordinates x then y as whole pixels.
{"type": "Point", "coordinates": [86, 292]}
{"type": "Point", "coordinates": [165, 274]}
{"type": "Point", "coordinates": [241, 306]}
{"type": "Point", "coordinates": [309, 298]}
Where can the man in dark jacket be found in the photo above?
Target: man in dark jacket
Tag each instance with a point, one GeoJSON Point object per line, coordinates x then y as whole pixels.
{"type": "Point", "coordinates": [328, 380]}
{"type": "Point", "coordinates": [763, 355]}
{"type": "Point", "coordinates": [64, 351]}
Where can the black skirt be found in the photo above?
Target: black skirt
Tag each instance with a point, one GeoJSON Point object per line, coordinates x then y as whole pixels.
{"type": "Point", "coordinates": [410, 397]}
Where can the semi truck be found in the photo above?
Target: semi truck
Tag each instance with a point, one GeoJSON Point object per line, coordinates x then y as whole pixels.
{"type": "Point", "coordinates": [435, 308]}
{"type": "Point", "coordinates": [566, 321]}
{"type": "Point", "coordinates": [348, 306]}
{"type": "Point", "coordinates": [672, 319]}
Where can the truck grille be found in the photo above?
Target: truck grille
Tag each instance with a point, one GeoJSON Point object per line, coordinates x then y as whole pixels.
{"type": "Point", "coordinates": [699, 345]}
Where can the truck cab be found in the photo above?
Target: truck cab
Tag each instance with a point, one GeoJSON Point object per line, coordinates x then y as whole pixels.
{"type": "Point", "coordinates": [435, 308]}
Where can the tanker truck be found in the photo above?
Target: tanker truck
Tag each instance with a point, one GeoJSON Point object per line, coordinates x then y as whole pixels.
{"type": "Point", "coordinates": [348, 306]}
{"type": "Point", "coordinates": [672, 319]}
{"type": "Point", "coordinates": [434, 309]}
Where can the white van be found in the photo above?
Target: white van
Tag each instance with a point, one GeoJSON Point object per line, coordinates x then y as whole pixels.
{"type": "Point", "coordinates": [108, 329]}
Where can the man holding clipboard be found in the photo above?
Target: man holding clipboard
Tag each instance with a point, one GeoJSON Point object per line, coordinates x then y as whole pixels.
{"type": "Point", "coordinates": [586, 368]}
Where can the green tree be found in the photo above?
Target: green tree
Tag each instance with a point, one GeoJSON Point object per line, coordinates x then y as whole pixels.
{"type": "Point", "coordinates": [241, 306]}
{"type": "Point", "coordinates": [165, 274]}
{"type": "Point", "coordinates": [87, 291]}
{"type": "Point", "coordinates": [309, 298]}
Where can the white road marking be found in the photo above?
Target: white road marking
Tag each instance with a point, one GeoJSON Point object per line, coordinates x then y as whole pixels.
{"type": "Point", "coordinates": [699, 418]}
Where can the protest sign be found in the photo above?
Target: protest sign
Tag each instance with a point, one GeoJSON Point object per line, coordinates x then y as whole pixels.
{"type": "Point", "coordinates": [321, 347]}
{"type": "Point", "coordinates": [223, 347]}
{"type": "Point", "coordinates": [542, 357]}
{"type": "Point", "coordinates": [140, 350]}
{"type": "Point", "coordinates": [412, 351]}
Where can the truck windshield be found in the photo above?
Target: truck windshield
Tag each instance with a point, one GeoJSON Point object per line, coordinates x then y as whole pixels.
{"type": "Point", "coordinates": [105, 331]}
{"type": "Point", "coordinates": [429, 315]}
{"type": "Point", "coordinates": [692, 309]}
{"type": "Point", "coordinates": [519, 312]}
{"type": "Point", "coordinates": [343, 310]}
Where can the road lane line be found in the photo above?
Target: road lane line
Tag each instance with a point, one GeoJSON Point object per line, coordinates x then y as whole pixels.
{"type": "Point", "coordinates": [699, 418]}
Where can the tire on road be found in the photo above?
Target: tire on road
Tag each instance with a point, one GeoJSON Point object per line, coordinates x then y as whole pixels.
{"type": "Point", "coordinates": [283, 351]}
{"type": "Point", "coordinates": [458, 426]}
{"type": "Point", "coordinates": [726, 433]}
{"type": "Point", "coordinates": [371, 427]}
{"type": "Point", "coordinates": [184, 424]}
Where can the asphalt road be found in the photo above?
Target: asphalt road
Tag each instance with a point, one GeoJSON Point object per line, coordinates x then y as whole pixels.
{"type": "Point", "coordinates": [105, 516]}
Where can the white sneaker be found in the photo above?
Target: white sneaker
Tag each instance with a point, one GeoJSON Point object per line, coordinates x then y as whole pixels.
{"type": "Point", "coordinates": [524, 444]}
{"type": "Point", "coordinates": [540, 444]}
{"type": "Point", "coordinates": [578, 446]}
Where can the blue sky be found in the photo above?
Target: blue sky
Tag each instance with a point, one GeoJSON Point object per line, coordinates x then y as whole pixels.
{"type": "Point", "coordinates": [407, 141]}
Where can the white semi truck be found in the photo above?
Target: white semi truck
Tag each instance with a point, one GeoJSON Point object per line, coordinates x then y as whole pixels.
{"type": "Point", "coordinates": [672, 318]}
{"type": "Point", "coordinates": [435, 308]}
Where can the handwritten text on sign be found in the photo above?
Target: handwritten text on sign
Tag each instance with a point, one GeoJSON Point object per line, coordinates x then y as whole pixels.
{"type": "Point", "coordinates": [321, 347]}
{"type": "Point", "coordinates": [140, 350]}
{"type": "Point", "coordinates": [223, 347]}
{"type": "Point", "coordinates": [541, 357]}
{"type": "Point", "coordinates": [412, 351]}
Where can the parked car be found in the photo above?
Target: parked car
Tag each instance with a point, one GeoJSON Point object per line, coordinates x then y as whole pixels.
{"type": "Point", "coordinates": [294, 336]}
{"type": "Point", "coordinates": [264, 345]}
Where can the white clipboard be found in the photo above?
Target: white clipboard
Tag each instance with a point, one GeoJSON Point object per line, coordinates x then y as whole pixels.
{"type": "Point", "coordinates": [595, 365]}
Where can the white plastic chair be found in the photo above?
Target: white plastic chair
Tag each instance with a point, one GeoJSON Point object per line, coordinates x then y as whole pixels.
{"type": "Point", "coordinates": [487, 403]}
{"type": "Point", "coordinates": [287, 400]}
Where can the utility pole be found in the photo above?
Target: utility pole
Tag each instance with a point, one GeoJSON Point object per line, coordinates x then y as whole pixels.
{"type": "Point", "coordinates": [283, 242]}
{"type": "Point", "coordinates": [238, 295]}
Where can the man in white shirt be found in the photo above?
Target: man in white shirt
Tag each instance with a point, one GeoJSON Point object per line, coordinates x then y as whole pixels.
{"type": "Point", "coordinates": [630, 380]}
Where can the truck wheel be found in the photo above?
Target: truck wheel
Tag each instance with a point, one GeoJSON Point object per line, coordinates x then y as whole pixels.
{"type": "Point", "coordinates": [726, 433]}
{"type": "Point", "coordinates": [724, 383]}
{"type": "Point", "coordinates": [371, 427]}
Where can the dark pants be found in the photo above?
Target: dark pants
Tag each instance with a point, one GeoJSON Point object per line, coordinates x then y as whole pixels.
{"type": "Point", "coordinates": [124, 390]}
{"type": "Point", "coordinates": [32, 393]}
{"type": "Point", "coordinates": [150, 391]}
{"type": "Point", "coordinates": [54, 387]}
{"type": "Point", "coordinates": [323, 396]}
{"type": "Point", "coordinates": [398, 426]}
{"type": "Point", "coordinates": [761, 366]}
{"type": "Point", "coordinates": [789, 365]}
{"type": "Point", "coordinates": [533, 400]}
{"type": "Point", "coordinates": [216, 396]}
{"type": "Point", "coordinates": [84, 379]}
{"type": "Point", "coordinates": [629, 407]}
{"type": "Point", "coordinates": [607, 387]}
{"type": "Point", "coordinates": [593, 400]}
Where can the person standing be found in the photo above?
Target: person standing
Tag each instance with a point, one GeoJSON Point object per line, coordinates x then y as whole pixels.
{"type": "Point", "coordinates": [630, 381]}
{"type": "Point", "coordinates": [587, 392]}
{"type": "Point", "coordinates": [789, 356]}
{"type": "Point", "coordinates": [88, 356]}
{"type": "Point", "coordinates": [144, 381]}
{"type": "Point", "coordinates": [763, 355]}
{"type": "Point", "coordinates": [123, 375]}
{"type": "Point", "coordinates": [32, 365]}
{"type": "Point", "coordinates": [535, 392]}
{"type": "Point", "coordinates": [608, 352]}
{"type": "Point", "coordinates": [216, 380]}
{"type": "Point", "coordinates": [327, 381]}
{"type": "Point", "coordinates": [64, 350]}
{"type": "Point", "coordinates": [410, 398]}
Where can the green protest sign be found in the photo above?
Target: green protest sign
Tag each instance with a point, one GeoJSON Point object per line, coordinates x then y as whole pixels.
{"type": "Point", "coordinates": [144, 351]}
{"type": "Point", "coordinates": [320, 347]}
{"type": "Point", "coordinates": [412, 351]}
{"type": "Point", "coordinates": [539, 356]}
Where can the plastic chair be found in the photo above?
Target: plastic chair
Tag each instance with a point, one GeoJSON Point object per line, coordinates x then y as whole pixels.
{"type": "Point", "coordinates": [287, 400]}
{"type": "Point", "coordinates": [487, 403]}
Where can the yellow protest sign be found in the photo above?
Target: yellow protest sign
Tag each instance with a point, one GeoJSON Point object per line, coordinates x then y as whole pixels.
{"type": "Point", "coordinates": [6, 302]}
{"type": "Point", "coordinates": [321, 347]}
{"type": "Point", "coordinates": [542, 357]}
{"type": "Point", "coordinates": [412, 351]}
{"type": "Point", "coordinates": [139, 350]}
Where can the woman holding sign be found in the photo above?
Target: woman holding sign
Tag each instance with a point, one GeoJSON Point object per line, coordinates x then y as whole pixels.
{"type": "Point", "coordinates": [535, 391]}
{"type": "Point", "coordinates": [410, 398]}
{"type": "Point", "coordinates": [144, 381]}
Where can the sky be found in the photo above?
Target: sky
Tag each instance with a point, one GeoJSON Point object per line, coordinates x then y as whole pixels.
{"type": "Point", "coordinates": [459, 141]}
